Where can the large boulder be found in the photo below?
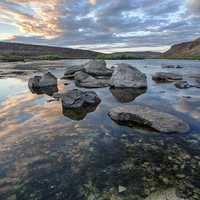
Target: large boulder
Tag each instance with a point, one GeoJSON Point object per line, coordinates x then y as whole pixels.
{"type": "Point", "coordinates": [87, 81]}
{"type": "Point", "coordinates": [73, 99]}
{"type": "Point", "coordinates": [97, 68]}
{"type": "Point", "coordinates": [47, 80]}
{"type": "Point", "coordinates": [148, 117]}
{"type": "Point", "coordinates": [166, 77]}
{"type": "Point", "coordinates": [126, 76]}
{"type": "Point", "coordinates": [70, 71]}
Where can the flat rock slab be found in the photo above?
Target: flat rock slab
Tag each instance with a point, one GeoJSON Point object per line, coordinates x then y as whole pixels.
{"type": "Point", "coordinates": [87, 81]}
{"type": "Point", "coordinates": [166, 77]}
{"type": "Point", "coordinates": [70, 71]}
{"type": "Point", "coordinates": [97, 68]}
{"type": "Point", "coordinates": [148, 117]}
{"type": "Point", "coordinates": [127, 76]}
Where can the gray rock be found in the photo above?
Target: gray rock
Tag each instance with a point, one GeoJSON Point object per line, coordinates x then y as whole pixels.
{"type": "Point", "coordinates": [126, 76]}
{"type": "Point", "coordinates": [85, 80]}
{"type": "Point", "coordinates": [148, 117]}
{"type": "Point", "coordinates": [179, 67]}
{"type": "Point", "coordinates": [78, 99]}
{"type": "Point", "coordinates": [166, 77]}
{"type": "Point", "coordinates": [168, 66]}
{"type": "Point", "coordinates": [73, 69]}
{"type": "Point", "coordinates": [47, 80]}
{"type": "Point", "coordinates": [182, 84]}
{"type": "Point", "coordinates": [70, 71]}
{"type": "Point", "coordinates": [97, 68]}
{"type": "Point", "coordinates": [34, 82]}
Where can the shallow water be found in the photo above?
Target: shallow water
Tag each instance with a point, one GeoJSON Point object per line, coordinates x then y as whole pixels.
{"type": "Point", "coordinates": [48, 153]}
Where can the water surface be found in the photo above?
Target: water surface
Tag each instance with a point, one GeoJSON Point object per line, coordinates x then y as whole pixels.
{"type": "Point", "coordinates": [49, 153]}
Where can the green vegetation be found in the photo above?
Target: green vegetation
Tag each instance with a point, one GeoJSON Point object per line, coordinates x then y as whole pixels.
{"type": "Point", "coordinates": [11, 58]}
{"type": "Point", "coordinates": [50, 57]}
{"type": "Point", "coordinates": [117, 57]}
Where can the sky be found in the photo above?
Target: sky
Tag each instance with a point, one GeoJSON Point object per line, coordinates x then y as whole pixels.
{"type": "Point", "coordinates": [101, 25]}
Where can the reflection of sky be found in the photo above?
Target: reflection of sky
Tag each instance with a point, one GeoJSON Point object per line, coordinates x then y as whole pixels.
{"type": "Point", "coordinates": [38, 129]}
{"type": "Point", "coordinates": [10, 87]}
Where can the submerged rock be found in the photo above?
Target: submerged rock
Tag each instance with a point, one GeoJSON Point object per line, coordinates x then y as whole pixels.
{"type": "Point", "coordinates": [97, 68]}
{"type": "Point", "coordinates": [79, 113]}
{"type": "Point", "coordinates": [47, 80]}
{"type": "Point", "coordinates": [126, 76]}
{"type": "Point", "coordinates": [87, 81]}
{"type": "Point", "coordinates": [182, 84]}
{"type": "Point", "coordinates": [166, 77]}
{"type": "Point", "coordinates": [126, 95]}
{"type": "Point", "coordinates": [148, 117]}
{"type": "Point", "coordinates": [77, 99]}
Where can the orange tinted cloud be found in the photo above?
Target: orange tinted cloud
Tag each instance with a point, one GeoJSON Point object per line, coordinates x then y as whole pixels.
{"type": "Point", "coordinates": [93, 2]}
{"type": "Point", "coordinates": [44, 22]}
{"type": "Point", "coordinates": [42, 18]}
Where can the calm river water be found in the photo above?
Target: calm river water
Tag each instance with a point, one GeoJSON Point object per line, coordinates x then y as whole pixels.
{"type": "Point", "coordinates": [49, 154]}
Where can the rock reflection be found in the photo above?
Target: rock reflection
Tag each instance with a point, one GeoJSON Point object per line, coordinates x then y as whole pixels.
{"type": "Point", "coordinates": [44, 90]}
{"type": "Point", "coordinates": [79, 113]}
{"type": "Point", "coordinates": [126, 95]}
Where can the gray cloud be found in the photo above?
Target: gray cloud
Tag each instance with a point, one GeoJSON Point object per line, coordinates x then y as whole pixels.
{"type": "Point", "coordinates": [114, 25]}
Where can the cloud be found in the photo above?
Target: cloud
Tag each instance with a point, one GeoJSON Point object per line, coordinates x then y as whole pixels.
{"type": "Point", "coordinates": [93, 2]}
{"type": "Point", "coordinates": [108, 26]}
{"type": "Point", "coordinates": [43, 21]}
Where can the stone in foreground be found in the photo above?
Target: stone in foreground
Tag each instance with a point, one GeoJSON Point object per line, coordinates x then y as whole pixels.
{"type": "Point", "coordinates": [148, 117]}
{"type": "Point", "coordinates": [126, 76]}
{"type": "Point", "coordinates": [97, 68]}
{"type": "Point", "coordinates": [85, 80]}
{"type": "Point", "coordinates": [77, 99]}
{"type": "Point", "coordinates": [47, 80]}
{"type": "Point", "coordinates": [166, 77]}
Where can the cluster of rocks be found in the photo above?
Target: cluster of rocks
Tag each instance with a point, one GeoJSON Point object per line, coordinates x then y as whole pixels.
{"type": "Point", "coordinates": [177, 79]}
{"type": "Point", "coordinates": [93, 74]}
{"type": "Point", "coordinates": [125, 82]}
{"type": "Point", "coordinates": [171, 66]}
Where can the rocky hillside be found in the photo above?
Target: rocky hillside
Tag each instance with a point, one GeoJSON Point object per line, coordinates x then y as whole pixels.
{"type": "Point", "coordinates": [16, 51]}
{"type": "Point", "coordinates": [188, 50]}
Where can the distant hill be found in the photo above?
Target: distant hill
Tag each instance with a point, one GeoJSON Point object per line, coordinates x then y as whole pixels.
{"type": "Point", "coordinates": [22, 52]}
{"type": "Point", "coordinates": [139, 54]}
{"type": "Point", "coordinates": [187, 50]}
{"type": "Point", "coordinates": [17, 51]}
